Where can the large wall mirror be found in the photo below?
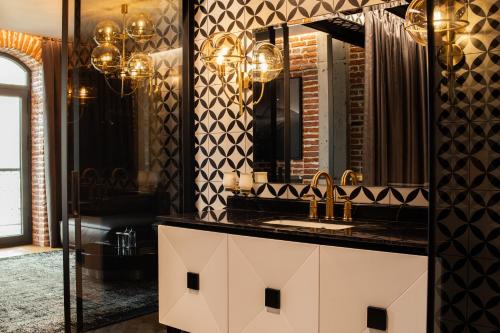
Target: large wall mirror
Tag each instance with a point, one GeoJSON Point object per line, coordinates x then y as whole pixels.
{"type": "Point", "coordinates": [345, 101]}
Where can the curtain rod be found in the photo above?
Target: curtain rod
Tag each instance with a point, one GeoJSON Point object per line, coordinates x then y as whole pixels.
{"type": "Point", "coordinates": [50, 38]}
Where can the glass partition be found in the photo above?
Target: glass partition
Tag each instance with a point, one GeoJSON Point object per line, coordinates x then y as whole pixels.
{"type": "Point", "coordinates": [124, 100]}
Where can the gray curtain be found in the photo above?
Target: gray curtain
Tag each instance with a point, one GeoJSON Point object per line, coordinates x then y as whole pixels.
{"type": "Point", "coordinates": [395, 103]}
{"type": "Point", "coordinates": [51, 58]}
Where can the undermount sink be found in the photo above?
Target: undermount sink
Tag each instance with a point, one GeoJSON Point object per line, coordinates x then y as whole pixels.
{"type": "Point", "coordinates": [306, 224]}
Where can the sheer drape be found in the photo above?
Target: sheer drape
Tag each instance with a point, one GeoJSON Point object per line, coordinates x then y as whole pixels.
{"type": "Point", "coordinates": [51, 57]}
{"type": "Point", "coordinates": [395, 138]}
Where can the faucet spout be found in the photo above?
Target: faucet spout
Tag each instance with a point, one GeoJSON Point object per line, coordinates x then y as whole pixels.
{"type": "Point", "coordinates": [353, 176]}
{"type": "Point", "coordinates": [330, 198]}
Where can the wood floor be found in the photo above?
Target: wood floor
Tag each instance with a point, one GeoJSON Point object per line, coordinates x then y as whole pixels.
{"type": "Point", "coordinates": [144, 324]}
{"type": "Point", "coordinates": [22, 250]}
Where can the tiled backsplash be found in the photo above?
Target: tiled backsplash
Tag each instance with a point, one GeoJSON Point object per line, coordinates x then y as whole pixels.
{"type": "Point", "coordinates": [383, 195]}
{"type": "Point", "coordinates": [224, 140]}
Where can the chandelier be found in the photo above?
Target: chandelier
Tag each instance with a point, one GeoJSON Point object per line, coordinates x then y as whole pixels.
{"type": "Point", "coordinates": [113, 62]}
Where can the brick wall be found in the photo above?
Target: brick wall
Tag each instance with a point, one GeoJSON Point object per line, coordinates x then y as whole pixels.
{"type": "Point", "coordinates": [304, 63]}
{"type": "Point", "coordinates": [356, 70]}
{"type": "Point", "coordinates": [28, 50]}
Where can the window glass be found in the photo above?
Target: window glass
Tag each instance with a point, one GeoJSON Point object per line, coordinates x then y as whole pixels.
{"type": "Point", "coordinates": [12, 72]}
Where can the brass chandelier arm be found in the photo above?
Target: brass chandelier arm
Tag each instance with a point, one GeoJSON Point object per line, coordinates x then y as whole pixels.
{"type": "Point", "coordinates": [122, 93]}
{"type": "Point", "coordinates": [112, 48]}
{"type": "Point", "coordinates": [261, 94]}
{"type": "Point", "coordinates": [233, 99]}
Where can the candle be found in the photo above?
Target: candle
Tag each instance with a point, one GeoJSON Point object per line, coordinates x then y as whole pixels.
{"type": "Point", "coordinates": [260, 177]}
{"type": "Point", "coordinates": [229, 181]}
{"type": "Point", "coordinates": [246, 181]}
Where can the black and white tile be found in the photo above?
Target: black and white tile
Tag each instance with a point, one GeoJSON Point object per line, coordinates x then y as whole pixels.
{"type": "Point", "coordinates": [468, 187]}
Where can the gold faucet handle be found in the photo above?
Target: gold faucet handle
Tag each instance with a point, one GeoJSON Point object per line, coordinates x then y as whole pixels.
{"type": "Point", "coordinates": [347, 208]}
{"type": "Point", "coordinates": [359, 177]}
{"type": "Point", "coordinates": [313, 206]}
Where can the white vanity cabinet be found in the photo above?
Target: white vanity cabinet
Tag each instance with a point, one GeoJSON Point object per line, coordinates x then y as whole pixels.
{"type": "Point", "coordinates": [258, 285]}
{"type": "Point", "coordinates": [204, 255]}
{"type": "Point", "coordinates": [352, 280]}
{"type": "Point", "coordinates": [290, 268]}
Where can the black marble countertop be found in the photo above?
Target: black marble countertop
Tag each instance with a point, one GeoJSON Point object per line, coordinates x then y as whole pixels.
{"type": "Point", "coordinates": [389, 236]}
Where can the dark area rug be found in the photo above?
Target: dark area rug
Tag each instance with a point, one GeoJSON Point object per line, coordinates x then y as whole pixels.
{"type": "Point", "coordinates": [31, 296]}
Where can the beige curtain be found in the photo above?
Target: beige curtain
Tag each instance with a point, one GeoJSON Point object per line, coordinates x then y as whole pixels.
{"type": "Point", "coordinates": [51, 58]}
{"type": "Point", "coordinates": [395, 150]}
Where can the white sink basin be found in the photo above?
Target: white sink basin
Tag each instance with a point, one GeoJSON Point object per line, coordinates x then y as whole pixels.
{"type": "Point", "coordinates": [306, 224]}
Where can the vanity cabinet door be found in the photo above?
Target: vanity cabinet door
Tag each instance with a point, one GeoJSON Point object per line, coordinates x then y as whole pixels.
{"type": "Point", "coordinates": [352, 280]}
{"type": "Point", "coordinates": [192, 279]}
{"type": "Point", "coordinates": [290, 273]}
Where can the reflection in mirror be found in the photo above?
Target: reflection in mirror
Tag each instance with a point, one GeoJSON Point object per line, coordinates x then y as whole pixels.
{"type": "Point", "coordinates": [356, 102]}
{"type": "Point", "coordinates": [269, 117]}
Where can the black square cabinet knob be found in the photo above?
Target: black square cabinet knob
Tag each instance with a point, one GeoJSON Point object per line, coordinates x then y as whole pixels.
{"type": "Point", "coordinates": [377, 318]}
{"type": "Point", "coordinates": [273, 298]}
{"type": "Point", "coordinates": [193, 281]}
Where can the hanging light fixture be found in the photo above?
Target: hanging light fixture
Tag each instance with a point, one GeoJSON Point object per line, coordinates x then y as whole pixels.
{"type": "Point", "coordinates": [449, 18]}
{"type": "Point", "coordinates": [222, 53]}
{"type": "Point", "coordinates": [108, 59]}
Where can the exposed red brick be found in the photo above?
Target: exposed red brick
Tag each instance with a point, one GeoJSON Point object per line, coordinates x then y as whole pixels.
{"type": "Point", "coordinates": [28, 49]}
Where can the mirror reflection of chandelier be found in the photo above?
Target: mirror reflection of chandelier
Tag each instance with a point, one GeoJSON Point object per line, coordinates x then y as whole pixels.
{"type": "Point", "coordinates": [108, 59]}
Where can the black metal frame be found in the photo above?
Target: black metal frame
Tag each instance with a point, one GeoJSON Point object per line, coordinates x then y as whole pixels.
{"type": "Point", "coordinates": [431, 90]}
{"type": "Point", "coordinates": [23, 92]}
{"type": "Point", "coordinates": [187, 119]}
{"type": "Point", "coordinates": [286, 101]}
{"type": "Point", "coordinates": [64, 167]}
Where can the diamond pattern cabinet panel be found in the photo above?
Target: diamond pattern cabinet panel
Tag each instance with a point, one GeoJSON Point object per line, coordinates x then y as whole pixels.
{"type": "Point", "coordinates": [293, 268]}
{"type": "Point", "coordinates": [408, 312]}
{"type": "Point", "coordinates": [352, 279]}
{"type": "Point", "coordinates": [205, 253]}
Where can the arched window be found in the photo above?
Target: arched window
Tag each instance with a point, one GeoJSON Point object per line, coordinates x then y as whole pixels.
{"type": "Point", "coordinates": [15, 206]}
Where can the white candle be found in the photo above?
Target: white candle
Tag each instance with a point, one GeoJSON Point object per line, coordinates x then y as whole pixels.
{"type": "Point", "coordinates": [229, 181]}
{"type": "Point", "coordinates": [260, 177]}
{"type": "Point", "coordinates": [246, 181]}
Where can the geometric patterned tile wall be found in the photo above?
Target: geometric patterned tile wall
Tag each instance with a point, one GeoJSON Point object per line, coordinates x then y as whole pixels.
{"type": "Point", "coordinates": [223, 139]}
{"type": "Point", "coordinates": [468, 180]}
{"type": "Point", "coordinates": [165, 49]}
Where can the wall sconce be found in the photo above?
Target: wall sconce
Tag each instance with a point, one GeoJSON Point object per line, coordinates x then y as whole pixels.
{"type": "Point", "coordinates": [113, 62]}
{"type": "Point", "coordinates": [449, 18]}
{"type": "Point", "coordinates": [222, 53]}
{"type": "Point", "coordinates": [82, 95]}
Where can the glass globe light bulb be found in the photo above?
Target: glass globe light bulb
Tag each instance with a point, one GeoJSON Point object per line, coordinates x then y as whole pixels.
{"type": "Point", "coordinates": [140, 66]}
{"type": "Point", "coordinates": [222, 53]}
{"type": "Point", "coordinates": [449, 16]}
{"type": "Point", "coordinates": [106, 58]}
{"type": "Point", "coordinates": [106, 32]}
{"type": "Point", "coordinates": [140, 27]}
{"type": "Point", "coordinates": [266, 63]}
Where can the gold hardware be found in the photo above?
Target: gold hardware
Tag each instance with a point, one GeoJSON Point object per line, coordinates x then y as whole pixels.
{"type": "Point", "coordinates": [354, 176]}
{"type": "Point", "coordinates": [223, 54]}
{"type": "Point", "coordinates": [313, 206]}
{"type": "Point", "coordinates": [347, 208]}
{"type": "Point", "coordinates": [114, 62]}
{"type": "Point", "coordinates": [450, 17]}
{"type": "Point", "coordinates": [330, 198]}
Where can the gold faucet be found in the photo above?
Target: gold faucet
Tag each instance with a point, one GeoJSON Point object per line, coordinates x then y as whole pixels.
{"type": "Point", "coordinates": [330, 198]}
{"type": "Point", "coordinates": [313, 206]}
{"type": "Point", "coordinates": [354, 176]}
